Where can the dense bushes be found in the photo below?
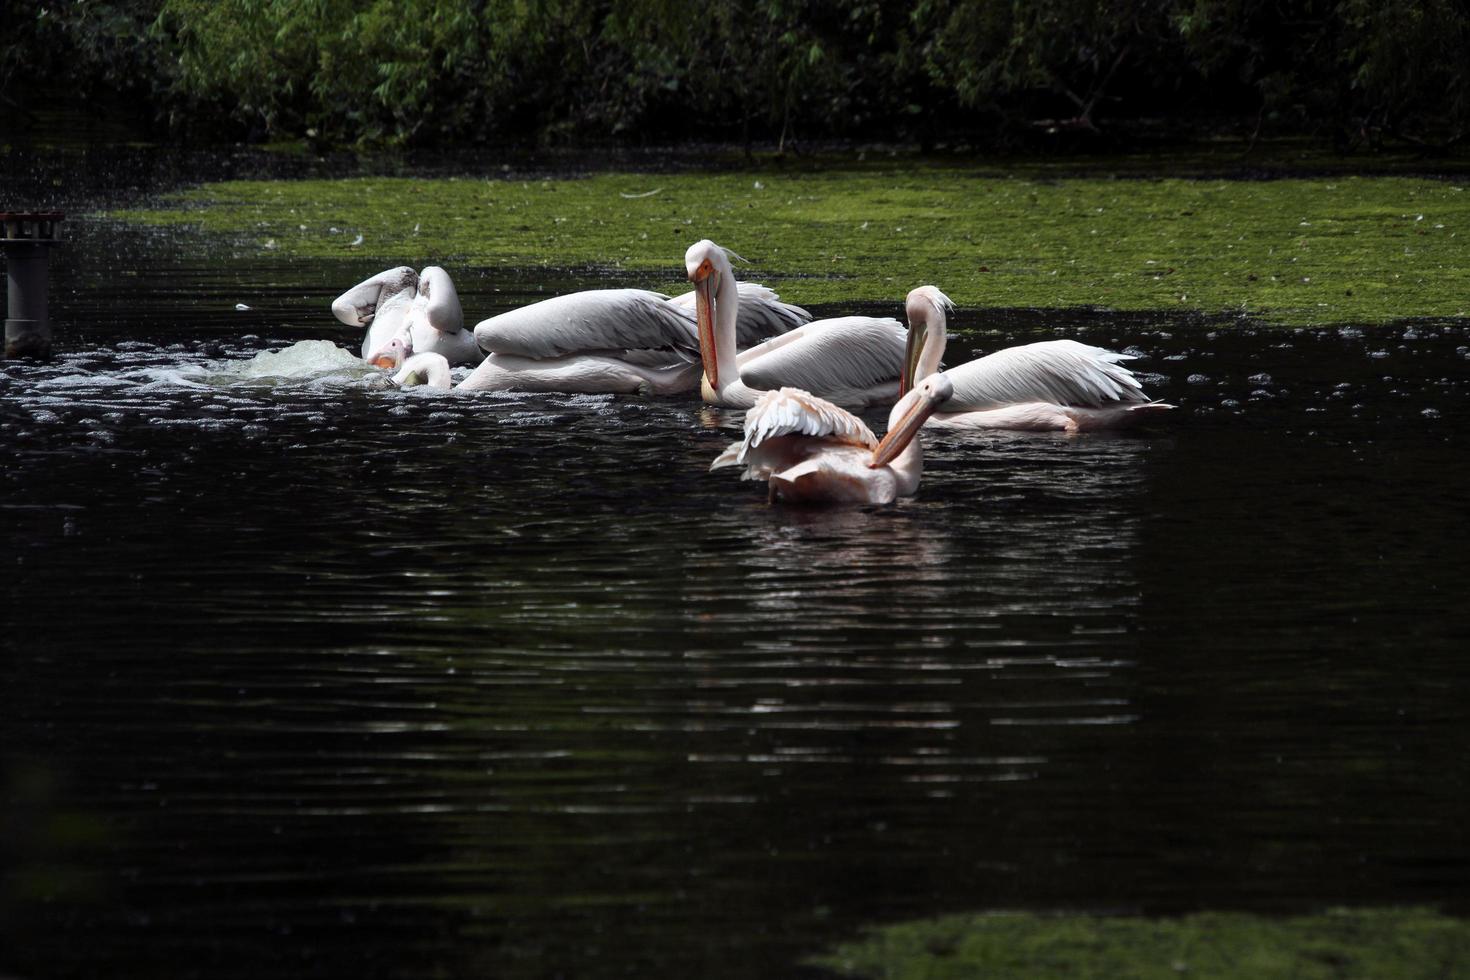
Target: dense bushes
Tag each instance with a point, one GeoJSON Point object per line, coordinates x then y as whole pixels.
{"type": "Point", "coordinates": [435, 71]}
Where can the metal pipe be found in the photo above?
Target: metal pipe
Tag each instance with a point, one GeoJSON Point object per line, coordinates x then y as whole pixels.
{"type": "Point", "coordinates": [26, 238]}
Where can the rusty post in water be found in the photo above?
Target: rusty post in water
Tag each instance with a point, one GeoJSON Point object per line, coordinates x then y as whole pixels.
{"type": "Point", "coordinates": [26, 238]}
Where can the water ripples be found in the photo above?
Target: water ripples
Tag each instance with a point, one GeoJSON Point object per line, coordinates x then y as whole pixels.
{"type": "Point", "coordinates": [350, 654]}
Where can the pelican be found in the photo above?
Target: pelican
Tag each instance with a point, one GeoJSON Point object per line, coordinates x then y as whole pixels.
{"type": "Point", "coordinates": [810, 451]}
{"type": "Point", "coordinates": [1050, 385]}
{"type": "Point", "coordinates": [613, 340]}
{"type": "Point", "coordinates": [853, 361]}
{"type": "Point", "coordinates": [426, 368]}
{"type": "Point", "coordinates": [406, 312]}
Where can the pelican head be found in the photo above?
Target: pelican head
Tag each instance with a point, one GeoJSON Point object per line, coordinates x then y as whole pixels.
{"type": "Point", "coordinates": [708, 267]}
{"type": "Point", "coordinates": [909, 416]}
{"type": "Point", "coordinates": [392, 354]}
{"type": "Point", "coordinates": [927, 309]}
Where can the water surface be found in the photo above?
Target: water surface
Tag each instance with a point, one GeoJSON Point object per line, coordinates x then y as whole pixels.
{"type": "Point", "coordinates": [305, 676]}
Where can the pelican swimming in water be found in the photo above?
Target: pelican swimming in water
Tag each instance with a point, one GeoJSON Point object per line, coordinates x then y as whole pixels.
{"type": "Point", "coordinates": [1050, 385]}
{"type": "Point", "coordinates": [810, 451]}
{"type": "Point", "coordinates": [428, 369]}
{"type": "Point", "coordinates": [613, 340]}
{"type": "Point", "coordinates": [853, 361]}
{"type": "Point", "coordinates": [408, 312]}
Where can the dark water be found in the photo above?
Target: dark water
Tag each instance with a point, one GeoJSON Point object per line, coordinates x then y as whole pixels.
{"type": "Point", "coordinates": [303, 677]}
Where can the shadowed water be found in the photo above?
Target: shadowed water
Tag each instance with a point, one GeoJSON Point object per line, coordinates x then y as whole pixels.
{"type": "Point", "coordinates": [308, 676]}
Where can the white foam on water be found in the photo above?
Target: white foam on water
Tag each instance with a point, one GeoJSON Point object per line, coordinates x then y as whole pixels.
{"type": "Point", "coordinates": [304, 360]}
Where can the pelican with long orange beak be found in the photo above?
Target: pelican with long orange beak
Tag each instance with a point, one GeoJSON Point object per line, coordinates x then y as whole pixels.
{"type": "Point", "coordinates": [408, 313]}
{"type": "Point", "coordinates": [852, 361]}
{"type": "Point", "coordinates": [810, 451]}
{"type": "Point", "coordinates": [1053, 385]}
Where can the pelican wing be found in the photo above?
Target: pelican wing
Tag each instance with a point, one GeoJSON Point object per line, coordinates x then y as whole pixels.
{"type": "Point", "coordinates": [591, 321]}
{"type": "Point", "coordinates": [831, 355]}
{"type": "Point", "coordinates": [793, 412]}
{"type": "Point", "coordinates": [357, 306]}
{"type": "Point", "coordinates": [809, 422]}
{"type": "Point", "coordinates": [1062, 372]}
{"type": "Point", "coordinates": [440, 301]}
{"type": "Point", "coordinates": [761, 315]}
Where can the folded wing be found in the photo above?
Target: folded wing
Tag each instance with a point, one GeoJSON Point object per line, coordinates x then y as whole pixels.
{"type": "Point", "coordinates": [596, 320]}
{"type": "Point", "coordinates": [799, 422]}
{"type": "Point", "coordinates": [852, 352]}
{"type": "Point", "coordinates": [1062, 372]}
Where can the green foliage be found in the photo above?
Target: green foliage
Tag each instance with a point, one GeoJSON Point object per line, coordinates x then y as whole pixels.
{"type": "Point", "coordinates": [1346, 944]}
{"type": "Point", "coordinates": [83, 47]}
{"type": "Point", "coordinates": [1290, 251]}
{"type": "Point", "coordinates": [446, 71]}
{"type": "Point", "coordinates": [1072, 51]}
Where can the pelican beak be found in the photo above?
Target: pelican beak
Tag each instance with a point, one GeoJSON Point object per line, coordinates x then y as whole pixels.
{"type": "Point", "coordinates": [913, 350]}
{"type": "Point", "coordinates": [391, 355]}
{"type": "Point", "coordinates": [925, 402]}
{"type": "Point", "coordinates": [705, 281]}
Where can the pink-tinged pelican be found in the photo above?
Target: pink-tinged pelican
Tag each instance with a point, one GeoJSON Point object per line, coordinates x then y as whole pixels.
{"type": "Point", "coordinates": [406, 312]}
{"type": "Point", "coordinates": [812, 452]}
{"type": "Point", "coordinates": [613, 340]}
{"type": "Point", "coordinates": [1050, 385]}
{"type": "Point", "coordinates": [853, 361]}
{"type": "Point", "coordinates": [429, 369]}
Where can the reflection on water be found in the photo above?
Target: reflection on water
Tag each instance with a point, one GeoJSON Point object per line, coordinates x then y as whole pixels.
{"type": "Point", "coordinates": [308, 675]}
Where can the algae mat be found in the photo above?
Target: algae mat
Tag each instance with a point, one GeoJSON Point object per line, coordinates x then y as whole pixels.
{"type": "Point", "coordinates": [1403, 944]}
{"type": "Point", "coordinates": [1346, 249]}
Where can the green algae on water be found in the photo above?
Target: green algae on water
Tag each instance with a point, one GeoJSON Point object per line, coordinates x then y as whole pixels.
{"type": "Point", "coordinates": [1296, 251]}
{"type": "Point", "coordinates": [1355, 944]}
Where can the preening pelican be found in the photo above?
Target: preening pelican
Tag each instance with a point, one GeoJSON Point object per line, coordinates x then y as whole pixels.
{"type": "Point", "coordinates": [811, 451]}
{"type": "Point", "coordinates": [406, 312]}
{"type": "Point", "coordinates": [613, 340]}
{"type": "Point", "coordinates": [424, 369]}
{"type": "Point", "coordinates": [853, 361]}
{"type": "Point", "coordinates": [1050, 385]}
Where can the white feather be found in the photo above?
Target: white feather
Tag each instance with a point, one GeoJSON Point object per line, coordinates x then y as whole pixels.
{"type": "Point", "coordinates": [595, 320]}
{"type": "Point", "coordinates": [1063, 372]}
{"type": "Point", "coordinates": [850, 352]}
{"type": "Point", "coordinates": [358, 305]}
{"type": "Point", "coordinates": [793, 412]}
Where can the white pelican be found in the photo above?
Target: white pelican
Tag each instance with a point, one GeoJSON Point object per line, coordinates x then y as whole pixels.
{"type": "Point", "coordinates": [1050, 385]}
{"type": "Point", "coordinates": [429, 369]}
{"type": "Point", "coordinates": [810, 451]}
{"type": "Point", "coordinates": [613, 340]}
{"type": "Point", "coordinates": [407, 312]}
{"type": "Point", "coordinates": [853, 361]}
